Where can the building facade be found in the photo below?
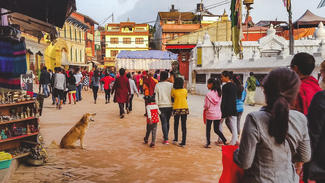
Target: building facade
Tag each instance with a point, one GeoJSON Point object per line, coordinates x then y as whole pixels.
{"type": "Point", "coordinates": [262, 56]}
{"type": "Point", "coordinates": [123, 36]}
{"type": "Point", "coordinates": [70, 46]}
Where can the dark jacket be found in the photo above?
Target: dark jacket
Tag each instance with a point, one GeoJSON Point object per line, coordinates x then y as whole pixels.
{"type": "Point", "coordinates": [228, 103]}
{"type": "Point", "coordinates": [45, 77]}
{"type": "Point", "coordinates": [71, 82]}
{"type": "Point", "coordinates": [316, 125]}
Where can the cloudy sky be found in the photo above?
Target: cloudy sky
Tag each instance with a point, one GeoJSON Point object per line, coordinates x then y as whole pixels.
{"type": "Point", "coordinates": [146, 10]}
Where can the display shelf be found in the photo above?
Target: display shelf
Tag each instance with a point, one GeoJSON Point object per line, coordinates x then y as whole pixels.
{"type": "Point", "coordinates": [18, 103]}
{"type": "Point", "coordinates": [19, 137]}
{"type": "Point", "coordinates": [21, 155]}
{"type": "Point", "coordinates": [17, 120]}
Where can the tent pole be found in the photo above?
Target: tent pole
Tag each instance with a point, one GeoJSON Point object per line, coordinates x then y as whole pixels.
{"type": "Point", "coordinates": [291, 42]}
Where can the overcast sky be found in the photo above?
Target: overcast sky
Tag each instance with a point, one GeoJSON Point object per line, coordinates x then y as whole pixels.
{"type": "Point", "coordinates": [142, 11]}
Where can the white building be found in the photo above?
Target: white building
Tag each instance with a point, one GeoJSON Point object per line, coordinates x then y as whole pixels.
{"type": "Point", "coordinates": [260, 57]}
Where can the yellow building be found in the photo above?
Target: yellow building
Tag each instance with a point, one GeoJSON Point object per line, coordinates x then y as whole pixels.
{"type": "Point", "coordinates": [69, 48]}
{"type": "Point", "coordinates": [124, 36]}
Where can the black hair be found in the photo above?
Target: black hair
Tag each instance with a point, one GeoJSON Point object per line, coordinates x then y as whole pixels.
{"type": "Point", "coordinates": [281, 88]}
{"type": "Point", "coordinates": [139, 72]}
{"type": "Point", "coordinates": [251, 73]}
{"type": "Point", "coordinates": [122, 71]}
{"type": "Point", "coordinates": [178, 83]}
{"type": "Point", "coordinates": [305, 63]}
{"type": "Point", "coordinates": [227, 74]}
{"type": "Point", "coordinates": [216, 85]}
{"type": "Point", "coordinates": [240, 87]}
{"type": "Point", "coordinates": [163, 76]}
{"type": "Point", "coordinates": [128, 75]}
{"type": "Point", "coordinates": [151, 99]}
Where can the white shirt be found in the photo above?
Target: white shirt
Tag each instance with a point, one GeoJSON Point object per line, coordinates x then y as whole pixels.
{"type": "Point", "coordinates": [163, 92]}
{"type": "Point", "coordinates": [133, 87]}
{"type": "Point", "coordinates": [78, 77]}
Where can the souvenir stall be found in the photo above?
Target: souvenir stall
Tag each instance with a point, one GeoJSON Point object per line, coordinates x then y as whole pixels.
{"type": "Point", "coordinates": [20, 108]}
{"type": "Point", "coordinates": [145, 60]}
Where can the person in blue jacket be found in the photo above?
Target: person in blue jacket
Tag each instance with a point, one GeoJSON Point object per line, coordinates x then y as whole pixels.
{"type": "Point", "coordinates": [241, 96]}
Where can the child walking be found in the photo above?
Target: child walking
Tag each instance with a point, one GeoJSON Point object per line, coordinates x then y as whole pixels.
{"type": "Point", "coordinates": [212, 111]}
{"type": "Point", "coordinates": [72, 88]}
{"type": "Point", "coordinates": [180, 109]}
{"type": "Point", "coordinates": [152, 121]}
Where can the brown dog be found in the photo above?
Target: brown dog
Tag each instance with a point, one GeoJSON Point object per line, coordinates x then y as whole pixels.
{"type": "Point", "coordinates": [77, 132]}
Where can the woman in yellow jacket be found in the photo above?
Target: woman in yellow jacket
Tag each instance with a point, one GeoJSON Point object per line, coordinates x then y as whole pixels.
{"type": "Point", "coordinates": [180, 109]}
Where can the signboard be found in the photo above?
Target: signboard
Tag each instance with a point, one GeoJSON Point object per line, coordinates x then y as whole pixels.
{"type": "Point", "coordinates": [89, 52]}
{"type": "Point", "coordinates": [90, 36]}
{"type": "Point", "coordinates": [26, 82]}
{"type": "Point", "coordinates": [199, 57]}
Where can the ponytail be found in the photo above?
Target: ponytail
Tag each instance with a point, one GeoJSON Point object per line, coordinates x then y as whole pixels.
{"type": "Point", "coordinates": [279, 124]}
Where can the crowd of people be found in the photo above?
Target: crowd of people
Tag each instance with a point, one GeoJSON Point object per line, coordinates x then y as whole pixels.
{"type": "Point", "coordinates": [289, 130]}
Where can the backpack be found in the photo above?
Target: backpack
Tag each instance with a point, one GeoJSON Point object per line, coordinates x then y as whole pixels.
{"type": "Point", "coordinates": [251, 83]}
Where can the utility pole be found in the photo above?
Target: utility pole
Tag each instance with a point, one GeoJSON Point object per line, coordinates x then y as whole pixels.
{"type": "Point", "coordinates": [291, 42]}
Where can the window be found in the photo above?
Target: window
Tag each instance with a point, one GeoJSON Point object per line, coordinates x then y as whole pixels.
{"type": "Point", "coordinates": [80, 36]}
{"type": "Point", "coordinates": [75, 34]}
{"type": "Point", "coordinates": [80, 56]}
{"type": "Point", "coordinates": [71, 32]}
{"type": "Point", "coordinates": [65, 32]}
{"type": "Point", "coordinates": [139, 40]}
{"type": "Point", "coordinates": [201, 78]}
{"type": "Point", "coordinates": [76, 55]}
{"type": "Point", "coordinates": [114, 53]}
{"type": "Point", "coordinates": [114, 40]}
{"type": "Point", "coordinates": [126, 40]}
{"type": "Point", "coordinates": [114, 29]}
{"type": "Point", "coordinates": [71, 54]}
{"type": "Point", "coordinates": [140, 29]}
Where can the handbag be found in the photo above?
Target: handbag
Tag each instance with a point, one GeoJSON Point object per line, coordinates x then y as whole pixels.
{"type": "Point", "coordinates": [231, 172]}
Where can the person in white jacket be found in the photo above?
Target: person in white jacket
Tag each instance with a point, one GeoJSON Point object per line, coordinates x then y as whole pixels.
{"type": "Point", "coordinates": [163, 99]}
{"type": "Point", "coordinates": [134, 90]}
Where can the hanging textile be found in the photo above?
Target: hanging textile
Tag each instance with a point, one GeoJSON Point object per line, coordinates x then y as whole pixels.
{"type": "Point", "coordinates": [236, 25]}
{"type": "Point", "coordinates": [12, 58]}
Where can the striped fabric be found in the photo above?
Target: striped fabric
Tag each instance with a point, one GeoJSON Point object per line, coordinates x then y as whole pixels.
{"type": "Point", "coordinates": [321, 4]}
{"type": "Point", "coordinates": [287, 4]}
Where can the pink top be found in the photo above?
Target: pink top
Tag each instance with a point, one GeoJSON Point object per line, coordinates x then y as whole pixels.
{"type": "Point", "coordinates": [212, 104]}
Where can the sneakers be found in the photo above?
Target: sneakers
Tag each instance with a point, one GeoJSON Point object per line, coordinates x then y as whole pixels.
{"type": "Point", "coordinates": [152, 145]}
{"type": "Point", "coordinates": [207, 146]}
{"type": "Point", "coordinates": [165, 142]}
{"type": "Point", "coordinates": [181, 145]}
{"type": "Point", "coordinates": [145, 140]}
{"type": "Point", "coordinates": [175, 142]}
{"type": "Point", "coordinates": [122, 116]}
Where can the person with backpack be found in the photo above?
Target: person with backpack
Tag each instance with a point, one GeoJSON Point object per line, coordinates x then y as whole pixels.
{"type": "Point", "coordinates": [251, 85]}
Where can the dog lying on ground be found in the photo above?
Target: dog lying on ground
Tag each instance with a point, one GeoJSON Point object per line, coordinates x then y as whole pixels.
{"type": "Point", "coordinates": [77, 132]}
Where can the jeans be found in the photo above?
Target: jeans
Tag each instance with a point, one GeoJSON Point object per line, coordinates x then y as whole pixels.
{"type": "Point", "coordinates": [151, 128]}
{"type": "Point", "coordinates": [45, 90]}
{"type": "Point", "coordinates": [95, 91]}
{"type": "Point", "coordinates": [165, 114]}
{"type": "Point", "coordinates": [216, 124]}
{"type": "Point", "coordinates": [78, 94]}
{"type": "Point", "coordinates": [239, 115]}
{"type": "Point", "coordinates": [107, 95]}
{"type": "Point", "coordinates": [176, 122]}
{"type": "Point", "coordinates": [121, 106]}
{"type": "Point", "coordinates": [129, 103]}
{"type": "Point", "coordinates": [231, 123]}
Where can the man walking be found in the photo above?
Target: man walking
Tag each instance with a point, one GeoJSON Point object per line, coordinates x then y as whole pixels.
{"type": "Point", "coordinates": [163, 99]}
{"type": "Point", "coordinates": [44, 81]}
{"type": "Point", "coordinates": [79, 79]}
{"type": "Point", "coordinates": [251, 85]}
{"type": "Point", "coordinates": [122, 90]}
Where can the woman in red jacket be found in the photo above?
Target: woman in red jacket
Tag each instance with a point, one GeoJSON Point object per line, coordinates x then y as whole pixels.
{"type": "Point", "coordinates": [107, 80]}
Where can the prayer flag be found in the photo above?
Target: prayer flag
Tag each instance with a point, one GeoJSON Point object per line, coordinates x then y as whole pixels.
{"type": "Point", "coordinates": [236, 25]}
{"type": "Point", "coordinates": [321, 4]}
{"type": "Point", "coordinates": [287, 4]}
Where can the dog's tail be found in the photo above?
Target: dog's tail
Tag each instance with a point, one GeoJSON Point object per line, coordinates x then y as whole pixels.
{"type": "Point", "coordinates": [54, 145]}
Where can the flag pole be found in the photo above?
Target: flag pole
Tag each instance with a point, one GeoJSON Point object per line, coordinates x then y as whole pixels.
{"type": "Point", "coordinates": [291, 42]}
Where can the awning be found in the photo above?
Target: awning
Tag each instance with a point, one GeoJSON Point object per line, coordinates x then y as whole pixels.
{"type": "Point", "coordinates": [176, 47]}
{"type": "Point", "coordinates": [79, 65]}
{"type": "Point", "coordinates": [32, 26]}
{"type": "Point", "coordinates": [53, 12]}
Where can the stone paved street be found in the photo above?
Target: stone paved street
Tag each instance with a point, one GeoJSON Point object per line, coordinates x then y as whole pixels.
{"type": "Point", "coordinates": [115, 151]}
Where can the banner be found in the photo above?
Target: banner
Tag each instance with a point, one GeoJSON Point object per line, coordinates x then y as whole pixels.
{"type": "Point", "coordinates": [199, 57]}
{"type": "Point", "coordinates": [26, 82]}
